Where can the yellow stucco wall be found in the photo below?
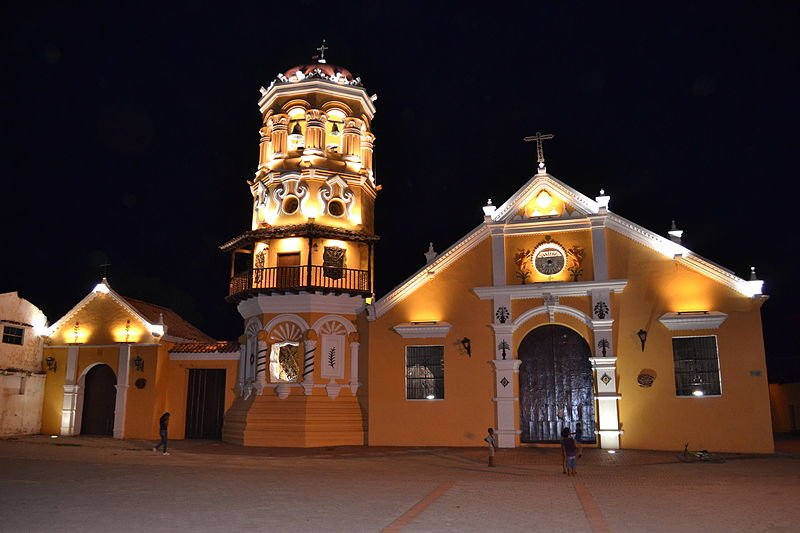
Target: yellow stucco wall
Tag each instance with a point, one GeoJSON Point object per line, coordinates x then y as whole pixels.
{"type": "Point", "coordinates": [655, 418]}
{"type": "Point", "coordinates": [461, 418]}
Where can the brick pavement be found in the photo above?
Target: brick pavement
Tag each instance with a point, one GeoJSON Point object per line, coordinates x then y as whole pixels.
{"type": "Point", "coordinates": [97, 484]}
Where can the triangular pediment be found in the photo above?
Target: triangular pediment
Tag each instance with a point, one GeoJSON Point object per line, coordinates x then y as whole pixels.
{"type": "Point", "coordinates": [545, 197]}
{"type": "Point", "coordinates": [103, 317]}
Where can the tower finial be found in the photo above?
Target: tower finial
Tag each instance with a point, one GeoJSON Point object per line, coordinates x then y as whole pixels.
{"type": "Point", "coordinates": [321, 49]}
{"type": "Point", "coordinates": [539, 137]}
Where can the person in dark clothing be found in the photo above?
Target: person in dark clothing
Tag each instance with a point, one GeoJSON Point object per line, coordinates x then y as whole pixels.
{"type": "Point", "coordinates": [163, 422]}
{"type": "Point", "coordinates": [569, 452]}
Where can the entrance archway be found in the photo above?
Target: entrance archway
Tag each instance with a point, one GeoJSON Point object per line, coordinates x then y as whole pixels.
{"type": "Point", "coordinates": [99, 401]}
{"type": "Point", "coordinates": [555, 384]}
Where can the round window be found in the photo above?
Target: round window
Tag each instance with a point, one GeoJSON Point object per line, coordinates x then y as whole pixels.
{"type": "Point", "coordinates": [290, 205]}
{"type": "Point", "coordinates": [336, 208]}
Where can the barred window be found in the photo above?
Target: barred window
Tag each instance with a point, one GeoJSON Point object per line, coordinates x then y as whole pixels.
{"type": "Point", "coordinates": [12, 335]}
{"type": "Point", "coordinates": [425, 372]}
{"type": "Point", "coordinates": [696, 366]}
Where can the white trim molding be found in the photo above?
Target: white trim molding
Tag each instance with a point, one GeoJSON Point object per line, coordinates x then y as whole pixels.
{"type": "Point", "coordinates": [692, 320]}
{"type": "Point", "coordinates": [423, 330]}
{"type": "Point", "coordinates": [338, 304]}
{"type": "Point", "coordinates": [556, 288]}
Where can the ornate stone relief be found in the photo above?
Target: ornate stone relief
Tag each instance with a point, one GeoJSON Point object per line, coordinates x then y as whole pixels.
{"type": "Point", "coordinates": [336, 198]}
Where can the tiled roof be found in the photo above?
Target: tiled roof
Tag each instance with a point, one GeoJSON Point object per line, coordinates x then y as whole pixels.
{"type": "Point", "coordinates": [297, 230]}
{"type": "Point", "coordinates": [176, 325]}
{"type": "Point", "coordinates": [206, 347]}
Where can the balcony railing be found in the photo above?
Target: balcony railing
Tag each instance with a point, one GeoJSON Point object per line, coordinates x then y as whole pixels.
{"type": "Point", "coordinates": [299, 278]}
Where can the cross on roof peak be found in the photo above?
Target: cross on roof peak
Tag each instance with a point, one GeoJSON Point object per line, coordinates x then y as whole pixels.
{"type": "Point", "coordinates": [539, 137]}
{"type": "Point", "coordinates": [321, 49]}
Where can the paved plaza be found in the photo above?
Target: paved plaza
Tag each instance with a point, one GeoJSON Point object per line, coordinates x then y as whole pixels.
{"type": "Point", "coordinates": [97, 484]}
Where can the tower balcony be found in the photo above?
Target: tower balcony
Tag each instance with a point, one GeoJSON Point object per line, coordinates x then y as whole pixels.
{"type": "Point", "coordinates": [294, 279]}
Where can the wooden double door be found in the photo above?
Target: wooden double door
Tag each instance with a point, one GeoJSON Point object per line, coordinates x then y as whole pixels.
{"type": "Point", "coordinates": [205, 403]}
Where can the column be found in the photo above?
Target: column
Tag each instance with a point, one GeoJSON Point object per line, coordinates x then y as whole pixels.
{"type": "Point", "coordinates": [315, 133]}
{"type": "Point", "coordinates": [599, 253]}
{"type": "Point", "coordinates": [507, 401]}
{"type": "Point", "coordinates": [354, 367]}
{"type": "Point", "coordinates": [262, 356]}
{"type": "Point", "coordinates": [123, 370]}
{"type": "Point", "coordinates": [498, 256]}
{"type": "Point", "coordinates": [280, 133]}
{"type": "Point", "coordinates": [605, 371]}
{"type": "Point", "coordinates": [308, 365]}
{"type": "Point", "coordinates": [367, 146]}
{"type": "Point", "coordinates": [70, 393]}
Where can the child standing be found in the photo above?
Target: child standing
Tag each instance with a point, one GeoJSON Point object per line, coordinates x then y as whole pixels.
{"type": "Point", "coordinates": [491, 440]}
{"type": "Point", "coordinates": [569, 452]}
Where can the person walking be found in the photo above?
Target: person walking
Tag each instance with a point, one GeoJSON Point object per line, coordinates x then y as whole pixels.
{"type": "Point", "coordinates": [491, 440]}
{"type": "Point", "coordinates": [579, 438]}
{"type": "Point", "coordinates": [569, 452]}
{"type": "Point", "coordinates": [163, 423]}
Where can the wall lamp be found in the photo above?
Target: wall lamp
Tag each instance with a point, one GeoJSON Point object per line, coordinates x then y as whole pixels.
{"type": "Point", "coordinates": [52, 364]}
{"type": "Point", "coordinates": [138, 363]}
{"type": "Point", "coordinates": [642, 337]}
{"type": "Point", "coordinates": [467, 345]}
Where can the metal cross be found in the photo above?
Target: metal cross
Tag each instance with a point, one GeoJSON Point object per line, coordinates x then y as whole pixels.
{"type": "Point", "coordinates": [322, 52]}
{"type": "Point", "coordinates": [105, 266]}
{"type": "Point", "coordinates": [539, 137]}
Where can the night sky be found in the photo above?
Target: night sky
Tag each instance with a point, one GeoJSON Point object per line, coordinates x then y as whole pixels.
{"type": "Point", "coordinates": [129, 133]}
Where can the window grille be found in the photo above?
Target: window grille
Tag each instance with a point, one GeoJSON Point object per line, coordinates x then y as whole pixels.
{"type": "Point", "coordinates": [12, 335]}
{"type": "Point", "coordinates": [425, 372]}
{"type": "Point", "coordinates": [696, 366]}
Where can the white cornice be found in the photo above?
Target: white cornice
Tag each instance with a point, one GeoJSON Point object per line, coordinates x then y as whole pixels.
{"type": "Point", "coordinates": [410, 330]}
{"type": "Point", "coordinates": [689, 321]}
{"type": "Point", "coordinates": [683, 256]}
{"type": "Point", "coordinates": [444, 260]}
{"type": "Point", "coordinates": [338, 304]}
{"type": "Point", "coordinates": [303, 88]}
{"type": "Point", "coordinates": [543, 225]}
{"type": "Point", "coordinates": [538, 290]}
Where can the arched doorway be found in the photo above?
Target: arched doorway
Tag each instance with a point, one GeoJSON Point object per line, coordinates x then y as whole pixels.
{"type": "Point", "coordinates": [555, 384]}
{"type": "Point", "coordinates": [99, 399]}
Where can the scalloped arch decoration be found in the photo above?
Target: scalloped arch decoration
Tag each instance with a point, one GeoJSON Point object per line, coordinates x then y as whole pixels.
{"type": "Point", "coordinates": [280, 326]}
{"type": "Point", "coordinates": [557, 308]}
{"type": "Point", "coordinates": [333, 325]}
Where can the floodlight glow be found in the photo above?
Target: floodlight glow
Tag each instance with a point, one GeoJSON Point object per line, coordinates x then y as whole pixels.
{"type": "Point", "coordinates": [612, 452]}
{"type": "Point", "coordinates": [697, 393]}
{"type": "Point", "coordinates": [430, 397]}
{"type": "Point", "coordinates": [101, 287]}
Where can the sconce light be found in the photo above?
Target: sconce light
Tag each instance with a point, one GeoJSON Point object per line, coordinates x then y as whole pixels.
{"type": "Point", "coordinates": [52, 364]}
{"type": "Point", "coordinates": [467, 344]}
{"type": "Point", "coordinates": [642, 337]}
{"type": "Point", "coordinates": [138, 363]}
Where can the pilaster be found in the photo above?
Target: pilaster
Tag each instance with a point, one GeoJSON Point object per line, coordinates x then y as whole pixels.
{"type": "Point", "coordinates": [70, 393]}
{"type": "Point", "coordinates": [123, 371]}
{"type": "Point", "coordinates": [507, 401]}
{"type": "Point", "coordinates": [354, 366]}
{"type": "Point", "coordinates": [605, 371]}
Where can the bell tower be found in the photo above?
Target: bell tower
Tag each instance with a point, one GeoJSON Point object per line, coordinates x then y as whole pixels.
{"type": "Point", "coordinates": [301, 273]}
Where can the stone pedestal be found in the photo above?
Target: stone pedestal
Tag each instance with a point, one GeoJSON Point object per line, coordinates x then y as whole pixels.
{"type": "Point", "coordinates": [507, 401]}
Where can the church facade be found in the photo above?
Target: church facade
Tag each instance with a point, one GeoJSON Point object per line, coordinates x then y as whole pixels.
{"type": "Point", "coordinates": [553, 312]}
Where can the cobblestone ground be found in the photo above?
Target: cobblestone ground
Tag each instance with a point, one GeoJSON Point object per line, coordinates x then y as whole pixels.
{"type": "Point", "coordinates": [93, 484]}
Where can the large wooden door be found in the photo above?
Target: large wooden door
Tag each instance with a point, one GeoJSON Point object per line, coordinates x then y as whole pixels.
{"type": "Point", "coordinates": [99, 401]}
{"type": "Point", "coordinates": [288, 270]}
{"type": "Point", "coordinates": [205, 403]}
{"type": "Point", "coordinates": [556, 386]}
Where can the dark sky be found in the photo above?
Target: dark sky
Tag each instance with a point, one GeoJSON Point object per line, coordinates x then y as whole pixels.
{"type": "Point", "coordinates": [129, 133]}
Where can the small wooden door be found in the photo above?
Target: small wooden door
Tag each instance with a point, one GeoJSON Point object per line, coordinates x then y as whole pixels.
{"type": "Point", "coordinates": [288, 270]}
{"type": "Point", "coordinates": [99, 401]}
{"type": "Point", "coordinates": [205, 403]}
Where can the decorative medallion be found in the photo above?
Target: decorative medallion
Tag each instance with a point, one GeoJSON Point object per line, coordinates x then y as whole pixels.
{"type": "Point", "coordinates": [601, 310]}
{"type": "Point", "coordinates": [645, 380]}
{"type": "Point", "coordinates": [333, 262]}
{"type": "Point", "coordinates": [141, 383]}
{"type": "Point", "coordinates": [605, 378]}
{"type": "Point", "coordinates": [549, 257]}
{"type": "Point", "coordinates": [504, 382]}
{"type": "Point", "coordinates": [502, 314]}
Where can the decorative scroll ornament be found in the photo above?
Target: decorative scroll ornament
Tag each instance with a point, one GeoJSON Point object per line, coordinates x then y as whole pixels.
{"type": "Point", "coordinates": [502, 314]}
{"type": "Point", "coordinates": [601, 310]}
{"type": "Point", "coordinates": [576, 256]}
{"type": "Point", "coordinates": [291, 195]}
{"type": "Point", "coordinates": [337, 197]}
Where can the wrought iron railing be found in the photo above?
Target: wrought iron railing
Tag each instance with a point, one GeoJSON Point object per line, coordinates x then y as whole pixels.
{"type": "Point", "coordinates": [295, 278]}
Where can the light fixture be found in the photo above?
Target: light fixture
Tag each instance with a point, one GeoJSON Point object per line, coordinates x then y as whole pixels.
{"type": "Point", "coordinates": [467, 345]}
{"type": "Point", "coordinates": [430, 397]}
{"type": "Point", "coordinates": [138, 363]}
{"type": "Point", "coordinates": [52, 364]}
{"type": "Point", "coordinates": [335, 131]}
{"type": "Point", "coordinates": [642, 337]}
